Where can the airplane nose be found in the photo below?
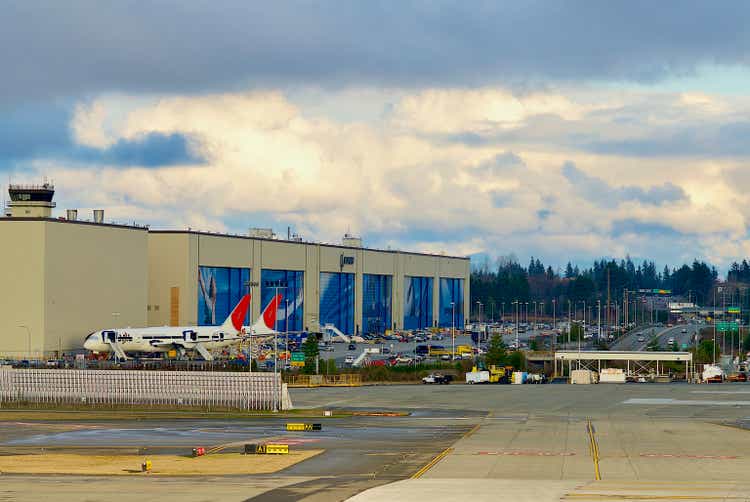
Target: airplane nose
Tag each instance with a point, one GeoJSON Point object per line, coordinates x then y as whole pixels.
{"type": "Point", "coordinates": [88, 343]}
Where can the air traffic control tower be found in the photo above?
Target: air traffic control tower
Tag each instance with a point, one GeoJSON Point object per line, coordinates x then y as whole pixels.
{"type": "Point", "coordinates": [31, 201]}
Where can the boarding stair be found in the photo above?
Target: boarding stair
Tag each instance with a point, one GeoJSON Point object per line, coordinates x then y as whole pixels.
{"type": "Point", "coordinates": [117, 350]}
{"type": "Point", "coordinates": [333, 331]}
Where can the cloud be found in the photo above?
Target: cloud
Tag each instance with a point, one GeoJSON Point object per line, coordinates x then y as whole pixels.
{"type": "Point", "coordinates": [258, 158]}
{"type": "Point", "coordinates": [643, 229]}
{"type": "Point", "coordinates": [603, 194]}
{"type": "Point", "coordinates": [148, 149]}
{"type": "Point", "coordinates": [33, 131]}
{"type": "Point", "coordinates": [177, 47]}
{"type": "Point", "coordinates": [709, 140]}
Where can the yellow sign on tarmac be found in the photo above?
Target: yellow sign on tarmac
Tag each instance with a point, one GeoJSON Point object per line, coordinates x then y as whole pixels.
{"type": "Point", "coordinates": [272, 449]}
{"type": "Point", "coordinates": [303, 427]}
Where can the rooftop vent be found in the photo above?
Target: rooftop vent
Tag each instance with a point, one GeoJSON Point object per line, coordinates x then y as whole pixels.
{"type": "Point", "coordinates": [351, 241]}
{"type": "Point", "coordinates": [98, 215]}
{"type": "Point", "coordinates": [71, 214]}
{"type": "Point", "coordinates": [262, 233]}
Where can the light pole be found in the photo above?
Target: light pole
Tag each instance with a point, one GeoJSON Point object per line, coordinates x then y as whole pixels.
{"type": "Point", "coordinates": [250, 285]}
{"type": "Point", "coordinates": [28, 332]}
{"type": "Point", "coordinates": [276, 348]}
{"type": "Point", "coordinates": [453, 331]}
{"type": "Point", "coordinates": [599, 320]}
{"type": "Point", "coordinates": [526, 313]}
{"type": "Point", "coordinates": [570, 319]}
{"type": "Point", "coordinates": [286, 333]}
{"type": "Point", "coordinates": [554, 324]}
{"type": "Point", "coordinates": [517, 324]}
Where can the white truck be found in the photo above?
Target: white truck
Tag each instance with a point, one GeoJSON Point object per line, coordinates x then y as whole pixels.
{"type": "Point", "coordinates": [473, 377]}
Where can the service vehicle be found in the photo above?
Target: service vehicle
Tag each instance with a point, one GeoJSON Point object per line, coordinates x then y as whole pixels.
{"type": "Point", "coordinates": [438, 350]}
{"type": "Point", "coordinates": [437, 378]}
{"type": "Point", "coordinates": [493, 374]}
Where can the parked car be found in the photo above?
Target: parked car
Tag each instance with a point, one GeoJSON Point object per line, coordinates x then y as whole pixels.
{"type": "Point", "coordinates": [352, 346]}
{"type": "Point", "coordinates": [349, 360]}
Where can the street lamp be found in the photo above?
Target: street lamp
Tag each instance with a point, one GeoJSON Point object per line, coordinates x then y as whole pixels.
{"type": "Point", "coordinates": [286, 342]}
{"type": "Point", "coordinates": [249, 285]}
{"type": "Point", "coordinates": [516, 303]}
{"type": "Point", "coordinates": [554, 324]}
{"type": "Point", "coordinates": [453, 330]}
{"type": "Point", "coordinates": [276, 349]}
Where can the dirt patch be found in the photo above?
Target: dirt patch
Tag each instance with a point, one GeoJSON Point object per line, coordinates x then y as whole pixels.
{"type": "Point", "coordinates": [165, 465]}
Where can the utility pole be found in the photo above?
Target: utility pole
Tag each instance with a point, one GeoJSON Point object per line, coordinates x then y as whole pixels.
{"type": "Point", "coordinates": [554, 324]}
{"type": "Point", "coordinates": [570, 321]}
{"type": "Point", "coordinates": [609, 323]}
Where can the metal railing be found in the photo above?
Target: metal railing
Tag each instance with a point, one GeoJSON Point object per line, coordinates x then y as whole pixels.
{"type": "Point", "coordinates": [244, 391]}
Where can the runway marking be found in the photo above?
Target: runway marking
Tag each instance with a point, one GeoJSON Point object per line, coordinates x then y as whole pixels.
{"type": "Point", "coordinates": [720, 391]}
{"type": "Point", "coordinates": [675, 455]}
{"type": "Point", "coordinates": [624, 496]}
{"type": "Point", "coordinates": [593, 448]}
{"type": "Point", "coordinates": [528, 453]}
{"type": "Point", "coordinates": [431, 463]}
{"type": "Point", "coordinates": [471, 432]}
{"type": "Point", "coordinates": [683, 402]}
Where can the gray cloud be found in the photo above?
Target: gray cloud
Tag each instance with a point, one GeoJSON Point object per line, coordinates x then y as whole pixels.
{"type": "Point", "coordinates": [601, 193]}
{"type": "Point", "coordinates": [42, 131]}
{"type": "Point", "coordinates": [137, 46]}
{"type": "Point", "coordinates": [643, 228]}
{"type": "Point", "coordinates": [706, 140]}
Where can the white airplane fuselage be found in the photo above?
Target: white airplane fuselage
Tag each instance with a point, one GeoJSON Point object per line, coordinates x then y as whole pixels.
{"type": "Point", "coordinates": [161, 339]}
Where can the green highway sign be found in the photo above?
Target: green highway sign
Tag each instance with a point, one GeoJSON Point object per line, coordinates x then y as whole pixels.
{"type": "Point", "coordinates": [733, 310]}
{"type": "Point", "coordinates": [723, 326]}
{"type": "Point", "coordinates": [298, 356]}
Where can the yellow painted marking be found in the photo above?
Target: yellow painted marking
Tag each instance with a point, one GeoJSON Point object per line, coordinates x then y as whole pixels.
{"type": "Point", "coordinates": [472, 431]}
{"type": "Point", "coordinates": [593, 449]}
{"type": "Point", "coordinates": [431, 463]}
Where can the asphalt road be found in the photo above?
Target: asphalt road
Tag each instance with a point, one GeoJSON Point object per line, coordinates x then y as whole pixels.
{"type": "Point", "coordinates": [630, 341]}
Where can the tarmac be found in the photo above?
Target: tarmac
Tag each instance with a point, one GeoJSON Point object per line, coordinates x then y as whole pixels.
{"type": "Point", "coordinates": [531, 442]}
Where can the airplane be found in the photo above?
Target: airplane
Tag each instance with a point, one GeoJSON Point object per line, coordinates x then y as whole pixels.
{"type": "Point", "coordinates": [183, 338]}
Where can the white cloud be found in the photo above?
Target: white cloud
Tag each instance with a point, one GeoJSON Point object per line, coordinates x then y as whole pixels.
{"type": "Point", "coordinates": [393, 176]}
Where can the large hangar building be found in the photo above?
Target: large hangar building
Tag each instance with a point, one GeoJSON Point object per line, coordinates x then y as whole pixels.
{"type": "Point", "coordinates": [64, 278]}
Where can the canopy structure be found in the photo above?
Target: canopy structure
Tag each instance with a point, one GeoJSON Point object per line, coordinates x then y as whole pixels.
{"type": "Point", "coordinates": [634, 363]}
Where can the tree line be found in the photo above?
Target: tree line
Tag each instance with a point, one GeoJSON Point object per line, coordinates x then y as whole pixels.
{"type": "Point", "coordinates": [506, 281]}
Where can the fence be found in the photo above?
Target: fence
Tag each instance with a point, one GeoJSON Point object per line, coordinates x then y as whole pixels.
{"type": "Point", "coordinates": [246, 391]}
{"type": "Point", "coordinates": [348, 380]}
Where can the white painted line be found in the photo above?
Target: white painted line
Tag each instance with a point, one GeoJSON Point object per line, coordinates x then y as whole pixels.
{"type": "Point", "coordinates": [720, 392]}
{"type": "Point", "coordinates": [683, 402]}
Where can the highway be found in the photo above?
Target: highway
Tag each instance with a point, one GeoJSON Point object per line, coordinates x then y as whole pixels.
{"type": "Point", "coordinates": [630, 341]}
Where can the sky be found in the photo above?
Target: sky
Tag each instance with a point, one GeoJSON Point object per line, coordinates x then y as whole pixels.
{"type": "Point", "coordinates": [565, 130]}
